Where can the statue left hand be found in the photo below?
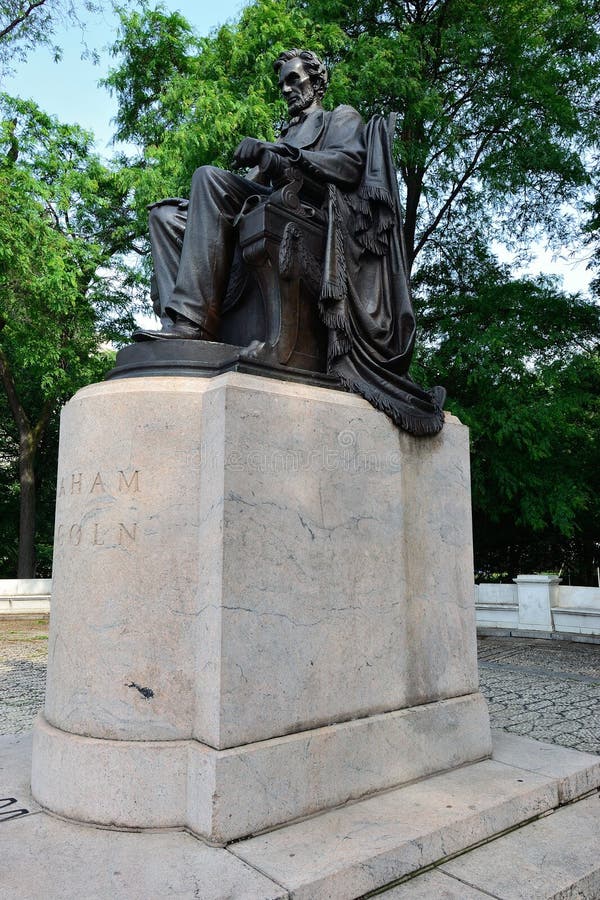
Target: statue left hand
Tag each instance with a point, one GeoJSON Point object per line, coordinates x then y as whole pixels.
{"type": "Point", "coordinates": [250, 151]}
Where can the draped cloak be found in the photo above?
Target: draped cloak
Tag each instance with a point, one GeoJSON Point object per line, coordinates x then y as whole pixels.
{"type": "Point", "coordinates": [364, 299]}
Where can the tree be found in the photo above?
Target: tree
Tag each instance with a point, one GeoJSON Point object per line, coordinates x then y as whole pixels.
{"type": "Point", "coordinates": [187, 101]}
{"type": "Point", "coordinates": [64, 286]}
{"type": "Point", "coordinates": [521, 363]}
{"type": "Point", "coordinates": [493, 95]}
{"type": "Point", "coordinates": [497, 103]}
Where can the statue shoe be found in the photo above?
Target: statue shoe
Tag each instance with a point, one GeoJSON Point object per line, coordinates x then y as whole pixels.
{"type": "Point", "coordinates": [180, 329]}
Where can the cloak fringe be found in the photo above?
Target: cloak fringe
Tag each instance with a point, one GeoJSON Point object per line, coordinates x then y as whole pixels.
{"type": "Point", "coordinates": [372, 227]}
{"type": "Point", "coordinates": [370, 218]}
{"type": "Point", "coordinates": [399, 414]}
{"type": "Point", "coordinates": [332, 290]}
{"type": "Point", "coordinates": [336, 289]}
{"type": "Point", "coordinates": [385, 221]}
{"type": "Point", "coordinates": [358, 205]}
{"type": "Point", "coordinates": [376, 245]}
{"type": "Point", "coordinates": [376, 192]}
{"type": "Point", "coordinates": [339, 345]}
{"type": "Point", "coordinates": [333, 318]}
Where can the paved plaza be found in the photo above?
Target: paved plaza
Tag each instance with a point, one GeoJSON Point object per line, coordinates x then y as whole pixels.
{"type": "Point", "coordinates": [23, 658]}
{"type": "Point", "coordinates": [548, 690]}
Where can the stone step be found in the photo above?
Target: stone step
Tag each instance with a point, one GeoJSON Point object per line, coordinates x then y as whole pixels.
{"type": "Point", "coordinates": [346, 853]}
{"type": "Point", "coordinates": [555, 858]}
{"type": "Point", "coordinates": [352, 851]}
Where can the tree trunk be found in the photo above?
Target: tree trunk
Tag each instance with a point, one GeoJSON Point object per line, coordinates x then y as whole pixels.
{"type": "Point", "coordinates": [26, 563]}
{"type": "Point", "coordinates": [414, 186]}
{"type": "Point", "coordinates": [29, 440]}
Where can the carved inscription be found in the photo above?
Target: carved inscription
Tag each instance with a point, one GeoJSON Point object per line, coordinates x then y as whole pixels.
{"type": "Point", "coordinates": [122, 531]}
{"type": "Point", "coordinates": [119, 482]}
{"type": "Point", "coordinates": [121, 534]}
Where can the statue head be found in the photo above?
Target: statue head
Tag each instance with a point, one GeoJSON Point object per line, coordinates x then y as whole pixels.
{"type": "Point", "coordinates": [302, 79]}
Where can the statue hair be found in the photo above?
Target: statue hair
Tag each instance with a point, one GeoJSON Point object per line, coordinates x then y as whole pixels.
{"type": "Point", "coordinates": [315, 68]}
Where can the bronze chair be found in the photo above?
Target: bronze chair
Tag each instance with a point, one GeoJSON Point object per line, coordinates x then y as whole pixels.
{"type": "Point", "coordinates": [271, 302]}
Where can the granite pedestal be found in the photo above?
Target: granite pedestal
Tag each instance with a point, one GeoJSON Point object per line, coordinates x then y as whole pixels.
{"type": "Point", "coordinates": [262, 607]}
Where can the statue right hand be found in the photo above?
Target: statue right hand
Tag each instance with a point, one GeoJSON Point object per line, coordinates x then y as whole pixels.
{"type": "Point", "coordinates": [250, 152]}
{"type": "Point", "coordinates": [272, 165]}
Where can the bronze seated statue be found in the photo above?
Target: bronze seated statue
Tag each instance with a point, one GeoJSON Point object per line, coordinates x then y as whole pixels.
{"type": "Point", "coordinates": [298, 266]}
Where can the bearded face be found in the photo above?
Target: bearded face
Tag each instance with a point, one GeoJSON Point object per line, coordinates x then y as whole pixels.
{"type": "Point", "coordinates": [296, 86]}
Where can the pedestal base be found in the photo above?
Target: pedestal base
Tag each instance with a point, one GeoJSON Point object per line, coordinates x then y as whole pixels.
{"type": "Point", "coordinates": [345, 853]}
{"type": "Point", "coordinates": [262, 606]}
{"type": "Point", "coordinates": [222, 795]}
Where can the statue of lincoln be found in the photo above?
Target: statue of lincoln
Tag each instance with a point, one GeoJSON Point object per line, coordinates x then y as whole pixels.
{"type": "Point", "coordinates": [364, 298]}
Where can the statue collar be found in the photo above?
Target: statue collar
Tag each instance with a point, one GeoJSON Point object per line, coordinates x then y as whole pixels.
{"type": "Point", "coordinates": [304, 131]}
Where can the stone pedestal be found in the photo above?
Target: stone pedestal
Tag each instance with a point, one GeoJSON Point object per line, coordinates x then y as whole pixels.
{"type": "Point", "coordinates": [262, 606]}
{"type": "Point", "coordinates": [537, 596]}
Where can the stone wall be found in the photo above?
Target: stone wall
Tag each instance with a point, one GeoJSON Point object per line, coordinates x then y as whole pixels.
{"type": "Point", "coordinates": [538, 603]}
{"type": "Point", "coordinates": [19, 596]}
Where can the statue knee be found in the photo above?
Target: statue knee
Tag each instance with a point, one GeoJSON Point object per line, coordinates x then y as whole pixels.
{"type": "Point", "coordinates": [162, 215]}
{"type": "Point", "coordinates": [205, 173]}
{"type": "Point", "coordinates": [209, 179]}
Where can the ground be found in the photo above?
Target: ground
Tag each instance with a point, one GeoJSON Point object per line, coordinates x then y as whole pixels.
{"type": "Point", "coordinates": [548, 690]}
{"type": "Point", "coordinates": [23, 658]}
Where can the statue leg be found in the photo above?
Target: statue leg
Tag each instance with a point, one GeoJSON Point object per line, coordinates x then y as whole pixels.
{"type": "Point", "coordinates": [167, 222]}
{"type": "Point", "coordinates": [216, 198]}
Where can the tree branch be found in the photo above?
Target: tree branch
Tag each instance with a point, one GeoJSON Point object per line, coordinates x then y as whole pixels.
{"type": "Point", "coordinates": [40, 426]}
{"type": "Point", "coordinates": [16, 22]}
{"type": "Point", "coordinates": [453, 194]}
{"type": "Point", "coordinates": [54, 215]}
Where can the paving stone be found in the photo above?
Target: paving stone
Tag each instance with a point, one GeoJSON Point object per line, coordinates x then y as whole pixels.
{"type": "Point", "coordinates": [56, 860]}
{"type": "Point", "coordinates": [552, 655]}
{"type": "Point", "coordinates": [15, 776]}
{"type": "Point", "coordinates": [544, 707]}
{"type": "Point", "coordinates": [545, 689]}
{"type": "Point", "coordinates": [23, 656]}
{"type": "Point", "coordinates": [577, 773]}
{"type": "Point", "coordinates": [338, 855]}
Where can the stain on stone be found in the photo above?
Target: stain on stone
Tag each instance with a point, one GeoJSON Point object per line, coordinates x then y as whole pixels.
{"type": "Point", "coordinates": [147, 693]}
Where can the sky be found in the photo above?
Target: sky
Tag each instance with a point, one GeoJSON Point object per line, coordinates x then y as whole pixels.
{"type": "Point", "coordinates": [69, 89]}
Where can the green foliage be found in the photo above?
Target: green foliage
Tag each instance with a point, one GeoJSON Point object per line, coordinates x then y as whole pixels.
{"type": "Point", "coordinates": [521, 363]}
{"type": "Point", "coordinates": [494, 96]}
{"type": "Point", "coordinates": [9, 491]}
{"type": "Point", "coordinates": [497, 94]}
{"type": "Point", "coordinates": [593, 233]}
{"type": "Point", "coordinates": [64, 220]}
{"type": "Point", "coordinates": [156, 47]}
{"type": "Point", "coordinates": [65, 287]}
{"type": "Point", "coordinates": [201, 96]}
{"type": "Point", "coordinates": [497, 103]}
